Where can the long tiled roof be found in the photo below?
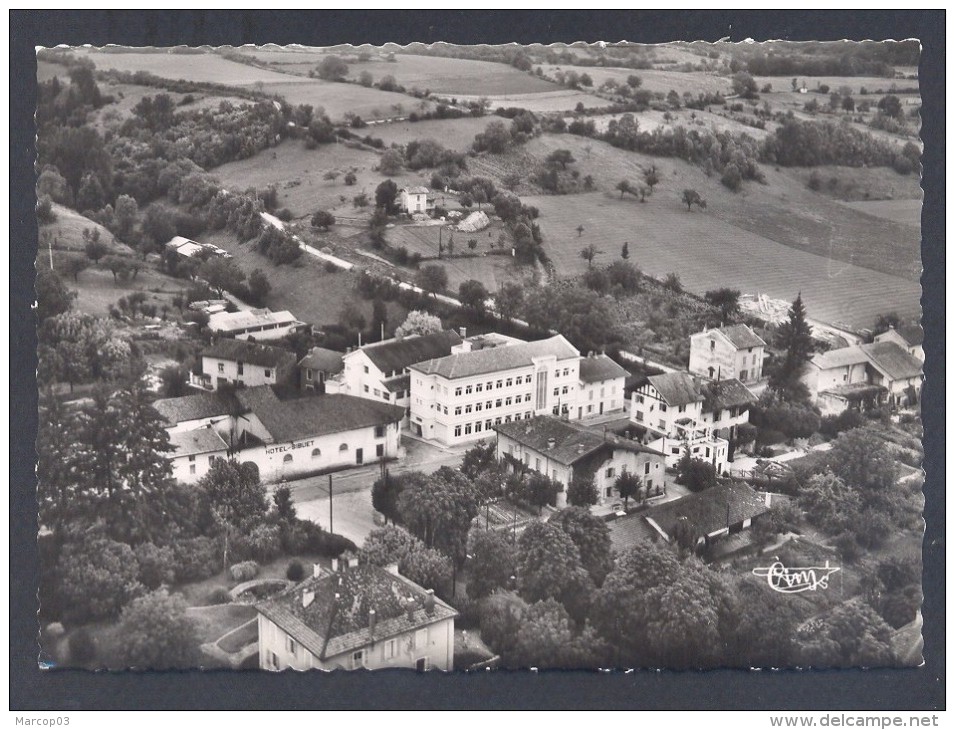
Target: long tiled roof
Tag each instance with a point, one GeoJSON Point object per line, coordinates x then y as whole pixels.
{"type": "Point", "coordinates": [195, 407]}
{"type": "Point", "coordinates": [496, 359]}
{"type": "Point", "coordinates": [200, 441]}
{"type": "Point", "coordinates": [571, 443]}
{"type": "Point", "coordinates": [895, 362]}
{"type": "Point", "coordinates": [320, 358]}
{"type": "Point", "coordinates": [727, 394]}
{"type": "Point", "coordinates": [396, 355]}
{"type": "Point", "coordinates": [337, 618]}
{"type": "Point", "coordinates": [627, 532]}
{"type": "Point", "coordinates": [742, 336]}
{"type": "Point", "coordinates": [710, 510]}
{"type": "Point", "coordinates": [300, 418]}
{"type": "Point", "coordinates": [252, 353]}
{"type": "Point", "coordinates": [843, 357]}
{"type": "Point", "coordinates": [232, 321]}
{"type": "Point", "coordinates": [677, 388]}
{"type": "Point", "coordinates": [600, 367]}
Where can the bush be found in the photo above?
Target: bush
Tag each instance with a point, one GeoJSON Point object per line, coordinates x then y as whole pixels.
{"type": "Point", "coordinates": [197, 558]}
{"type": "Point", "coordinates": [330, 267]}
{"type": "Point", "coordinates": [295, 571]}
{"type": "Point", "coordinates": [262, 543]}
{"type": "Point", "coordinates": [97, 578]}
{"type": "Point", "coordinates": [469, 611]}
{"type": "Point", "coordinates": [219, 596]}
{"type": "Point", "coordinates": [156, 632]}
{"type": "Point", "coordinates": [900, 607]}
{"type": "Point", "coordinates": [157, 565]}
{"type": "Point", "coordinates": [848, 547]}
{"type": "Point", "coordinates": [246, 570]}
{"type": "Point", "coordinates": [899, 571]}
{"type": "Point", "coordinates": [832, 426]}
{"type": "Point", "coordinates": [82, 647]}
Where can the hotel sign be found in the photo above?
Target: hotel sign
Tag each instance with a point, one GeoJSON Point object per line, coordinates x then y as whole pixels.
{"type": "Point", "coordinates": [289, 447]}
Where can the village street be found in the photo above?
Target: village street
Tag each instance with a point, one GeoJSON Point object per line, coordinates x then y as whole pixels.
{"type": "Point", "coordinates": [352, 514]}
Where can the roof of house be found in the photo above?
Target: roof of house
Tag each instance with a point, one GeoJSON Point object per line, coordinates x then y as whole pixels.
{"type": "Point", "coordinates": [195, 407]}
{"type": "Point", "coordinates": [740, 335]}
{"type": "Point", "coordinates": [891, 359]}
{"type": "Point", "coordinates": [711, 510]}
{"type": "Point", "coordinates": [232, 321]}
{"type": "Point", "coordinates": [913, 334]}
{"type": "Point", "coordinates": [416, 190]}
{"type": "Point", "coordinates": [250, 352]}
{"type": "Point", "coordinates": [398, 383]}
{"type": "Point", "coordinates": [299, 418]}
{"type": "Point", "coordinates": [630, 531]}
{"type": "Point", "coordinates": [727, 394]}
{"type": "Point", "coordinates": [495, 359]}
{"type": "Point", "coordinates": [320, 358]}
{"type": "Point", "coordinates": [677, 388]}
{"type": "Point", "coordinates": [397, 354]}
{"type": "Point", "coordinates": [594, 369]}
{"type": "Point", "coordinates": [571, 443]}
{"type": "Point", "coordinates": [200, 441]}
{"type": "Point", "coordinates": [855, 391]}
{"type": "Point", "coordinates": [843, 357]}
{"type": "Point", "coordinates": [337, 618]}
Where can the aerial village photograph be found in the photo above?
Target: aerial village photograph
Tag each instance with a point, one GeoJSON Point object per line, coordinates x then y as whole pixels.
{"type": "Point", "coordinates": [490, 357]}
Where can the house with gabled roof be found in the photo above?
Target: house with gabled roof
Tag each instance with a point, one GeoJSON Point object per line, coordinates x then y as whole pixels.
{"type": "Point", "coordinates": [317, 366]}
{"type": "Point", "coordinates": [356, 617]}
{"type": "Point", "coordinates": [601, 386]}
{"type": "Point", "coordinates": [863, 376]}
{"type": "Point", "coordinates": [734, 351]}
{"type": "Point", "coordinates": [908, 337]}
{"type": "Point", "coordinates": [256, 324]}
{"type": "Point", "coordinates": [415, 199]}
{"type": "Point", "coordinates": [242, 363]}
{"type": "Point", "coordinates": [565, 451]}
{"type": "Point", "coordinates": [380, 370]}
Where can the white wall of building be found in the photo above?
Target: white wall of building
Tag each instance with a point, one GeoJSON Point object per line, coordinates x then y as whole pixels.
{"type": "Point", "coordinates": [219, 372]}
{"type": "Point", "coordinates": [648, 409]}
{"type": "Point", "coordinates": [818, 380]}
{"type": "Point", "coordinates": [712, 355]}
{"type": "Point", "coordinates": [190, 469]}
{"type": "Point", "coordinates": [604, 396]}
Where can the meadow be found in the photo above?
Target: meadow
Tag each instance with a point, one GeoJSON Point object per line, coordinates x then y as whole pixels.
{"type": "Point", "coordinates": [559, 100]}
{"type": "Point", "coordinates": [456, 134]}
{"type": "Point", "coordinates": [653, 80]}
{"type": "Point", "coordinates": [908, 212]}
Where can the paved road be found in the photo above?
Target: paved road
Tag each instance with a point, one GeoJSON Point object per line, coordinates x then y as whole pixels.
{"type": "Point", "coordinates": [352, 513]}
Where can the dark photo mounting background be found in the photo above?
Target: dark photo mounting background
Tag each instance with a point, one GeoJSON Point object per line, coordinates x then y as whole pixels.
{"type": "Point", "coordinates": [31, 689]}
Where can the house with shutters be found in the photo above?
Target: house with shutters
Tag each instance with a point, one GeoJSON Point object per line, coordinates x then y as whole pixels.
{"type": "Point", "coordinates": [285, 439]}
{"type": "Point", "coordinates": [241, 363]}
{"type": "Point", "coordinates": [356, 617]}
{"type": "Point", "coordinates": [727, 352]}
{"type": "Point", "coordinates": [380, 371]}
{"type": "Point", "coordinates": [566, 451]}
{"type": "Point", "coordinates": [679, 413]}
{"type": "Point", "coordinates": [318, 365]}
{"type": "Point", "coordinates": [859, 377]}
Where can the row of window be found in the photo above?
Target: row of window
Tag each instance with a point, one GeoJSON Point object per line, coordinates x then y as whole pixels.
{"type": "Point", "coordinates": [468, 428]}
{"type": "Point", "coordinates": [509, 401]}
{"type": "Point", "coordinates": [241, 370]}
{"type": "Point", "coordinates": [502, 383]}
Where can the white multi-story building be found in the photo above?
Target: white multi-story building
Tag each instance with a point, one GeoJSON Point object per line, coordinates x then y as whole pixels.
{"type": "Point", "coordinates": [461, 397]}
{"type": "Point", "coordinates": [415, 200]}
{"type": "Point", "coordinates": [601, 386]}
{"type": "Point", "coordinates": [243, 364]}
{"type": "Point", "coordinates": [728, 352]}
{"type": "Point", "coordinates": [356, 617]}
{"type": "Point", "coordinates": [380, 371]}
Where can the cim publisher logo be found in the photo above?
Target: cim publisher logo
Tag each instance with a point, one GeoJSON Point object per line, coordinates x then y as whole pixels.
{"type": "Point", "coordinates": [796, 580]}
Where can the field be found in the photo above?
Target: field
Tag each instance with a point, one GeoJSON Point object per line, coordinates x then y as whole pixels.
{"type": "Point", "coordinates": [305, 288]}
{"type": "Point", "coordinates": [690, 118]}
{"type": "Point", "coordinates": [708, 253]}
{"type": "Point", "coordinates": [335, 99]}
{"type": "Point", "coordinates": [455, 134]}
{"type": "Point", "coordinates": [908, 212]}
{"type": "Point", "coordinates": [653, 80]}
{"type": "Point", "coordinates": [872, 84]}
{"type": "Point", "coordinates": [561, 100]}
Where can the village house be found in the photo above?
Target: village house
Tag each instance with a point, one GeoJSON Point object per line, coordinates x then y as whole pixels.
{"type": "Point", "coordinates": [863, 376]}
{"type": "Point", "coordinates": [285, 439]}
{"type": "Point", "coordinates": [601, 386]}
{"type": "Point", "coordinates": [566, 452]}
{"type": "Point", "coordinates": [709, 519]}
{"type": "Point", "coordinates": [356, 617]}
{"type": "Point", "coordinates": [317, 366]}
{"type": "Point", "coordinates": [415, 200]}
{"type": "Point", "coordinates": [908, 337]}
{"type": "Point", "coordinates": [187, 249]}
{"type": "Point", "coordinates": [257, 324]}
{"type": "Point", "coordinates": [461, 397]}
{"type": "Point", "coordinates": [242, 363]}
{"type": "Point", "coordinates": [679, 413]}
{"type": "Point", "coordinates": [727, 352]}
{"type": "Point", "coordinates": [379, 371]}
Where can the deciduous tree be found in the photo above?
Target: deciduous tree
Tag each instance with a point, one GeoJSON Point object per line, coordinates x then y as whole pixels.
{"type": "Point", "coordinates": [493, 561]}
{"type": "Point", "coordinates": [157, 633]}
{"type": "Point", "coordinates": [419, 323]}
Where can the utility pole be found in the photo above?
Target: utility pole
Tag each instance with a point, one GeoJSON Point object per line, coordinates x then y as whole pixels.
{"type": "Point", "coordinates": [331, 513]}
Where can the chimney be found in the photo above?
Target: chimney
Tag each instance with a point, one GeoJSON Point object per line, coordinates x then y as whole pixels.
{"type": "Point", "coordinates": [316, 570]}
{"type": "Point", "coordinates": [463, 331]}
{"type": "Point", "coordinates": [392, 568]}
{"type": "Point", "coordinates": [551, 443]}
{"type": "Point", "coordinates": [372, 621]}
{"type": "Point", "coordinates": [429, 602]}
{"type": "Point", "coordinates": [307, 598]}
{"type": "Point", "coordinates": [411, 607]}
